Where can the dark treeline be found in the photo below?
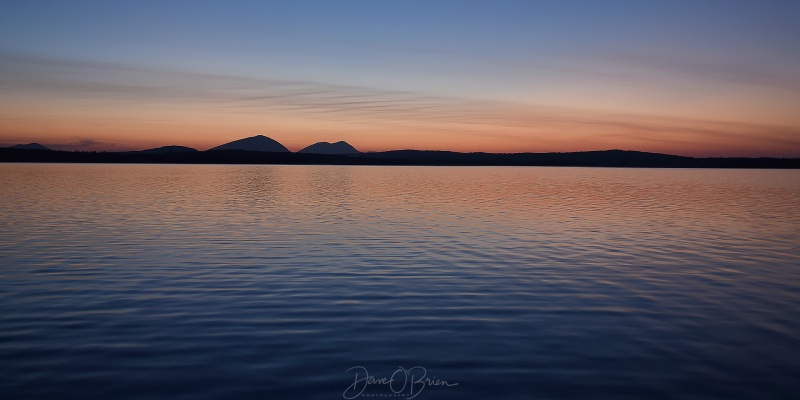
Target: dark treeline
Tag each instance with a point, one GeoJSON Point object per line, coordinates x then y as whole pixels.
{"type": "Point", "coordinates": [606, 158]}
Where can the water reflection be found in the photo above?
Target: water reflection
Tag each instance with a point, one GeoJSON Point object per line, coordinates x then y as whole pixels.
{"type": "Point", "coordinates": [271, 281]}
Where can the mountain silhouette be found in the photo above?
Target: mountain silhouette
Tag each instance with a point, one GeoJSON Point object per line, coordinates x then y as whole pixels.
{"type": "Point", "coordinates": [240, 155]}
{"type": "Point", "coordinates": [340, 147]}
{"type": "Point", "coordinates": [168, 149]}
{"type": "Point", "coordinates": [254, 143]}
{"type": "Point", "coordinates": [30, 146]}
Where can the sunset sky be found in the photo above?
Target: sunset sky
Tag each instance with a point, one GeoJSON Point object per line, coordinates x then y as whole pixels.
{"type": "Point", "coordinates": [701, 78]}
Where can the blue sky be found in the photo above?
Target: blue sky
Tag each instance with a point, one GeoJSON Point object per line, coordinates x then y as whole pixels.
{"type": "Point", "coordinates": [672, 69]}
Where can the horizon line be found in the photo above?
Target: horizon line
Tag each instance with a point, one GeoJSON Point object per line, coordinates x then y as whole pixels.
{"type": "Point", "coordinates": [6, 146]}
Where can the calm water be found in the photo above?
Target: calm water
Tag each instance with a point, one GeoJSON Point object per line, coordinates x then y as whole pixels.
{"type": "Point", "coordinates": [270, 282]}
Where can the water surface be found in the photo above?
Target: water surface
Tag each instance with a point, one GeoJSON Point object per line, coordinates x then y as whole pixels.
{"type": "Point", "coordinates": [267, 282]}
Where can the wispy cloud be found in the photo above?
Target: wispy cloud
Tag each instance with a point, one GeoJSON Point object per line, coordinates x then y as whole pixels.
{"type": "Point", "coordinates": [530, 127]}
{"type": "Point", "coordinates": [713, 71]}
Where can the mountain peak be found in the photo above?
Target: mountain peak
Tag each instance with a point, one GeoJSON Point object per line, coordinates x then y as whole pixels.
{"type": "Point", "coordinates": [30, 146]}
{"type": "Point", "coordinates": [169, 149]}
{"type": "Point", "coordinates": [340, 147]}
{"type": "Point", "coordinates": [254, 143]}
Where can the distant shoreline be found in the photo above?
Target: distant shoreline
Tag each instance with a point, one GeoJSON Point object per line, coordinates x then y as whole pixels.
{"type": "Point", "coordinates": [605, 158]}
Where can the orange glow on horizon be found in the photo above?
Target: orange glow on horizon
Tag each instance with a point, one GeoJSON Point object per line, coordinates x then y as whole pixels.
{"type": "Point", "coordinates": [498, 130]}
{"type": "Point", "coordinates": [381, 121]}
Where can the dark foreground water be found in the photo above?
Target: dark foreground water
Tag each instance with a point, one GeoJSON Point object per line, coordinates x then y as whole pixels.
{"type": "Point", "coordinates": [271, 282]}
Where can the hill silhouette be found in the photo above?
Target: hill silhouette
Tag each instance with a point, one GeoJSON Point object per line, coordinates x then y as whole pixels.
{"type": "Point", "coordinates": [340, 147]}
{"type": "Point", "coordinates": [30, 146]}
{"type": "Point", "coordinates": [168, 149]}
{"type": "Point", "coordinates": [605, 158]}
{"type": "Point", "coordinates": [254, 143]}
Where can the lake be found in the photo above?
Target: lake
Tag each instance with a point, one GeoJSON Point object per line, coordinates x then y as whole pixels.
{"type": "Point", "coordinates": [330, 282]}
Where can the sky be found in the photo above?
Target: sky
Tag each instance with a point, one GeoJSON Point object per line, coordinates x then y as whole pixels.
{"type": "Point", "coordinates": [697, 78]}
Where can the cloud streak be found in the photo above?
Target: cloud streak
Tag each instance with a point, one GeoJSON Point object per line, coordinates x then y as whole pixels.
{"type": "Point", "coordinates": [86, 85]}
{"type": "Point", "coordinates": [702, 70]}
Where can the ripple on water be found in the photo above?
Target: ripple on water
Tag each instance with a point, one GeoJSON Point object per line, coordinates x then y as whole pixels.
{"type": "Point", "coordinates": [133, 281]}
